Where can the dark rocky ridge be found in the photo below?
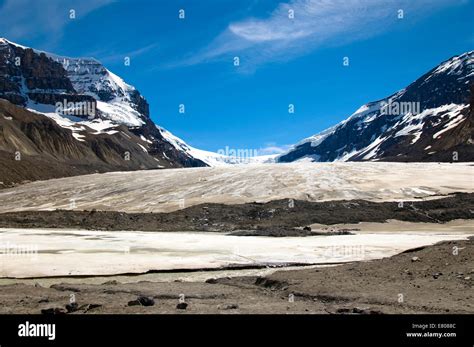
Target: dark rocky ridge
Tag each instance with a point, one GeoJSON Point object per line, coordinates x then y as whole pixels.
{"type": "Point", "coordinates": [274, 218]}
{"type": "Point", "coordinates": [50, 151]}
{"type": "Point", "coordinates": [39, 73]}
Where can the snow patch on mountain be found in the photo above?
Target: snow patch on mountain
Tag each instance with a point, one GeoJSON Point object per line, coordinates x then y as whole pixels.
{"type": "Point", "coordinates": [75, 124]}
{"type": "Point", "coordinates": [414, 124]}
{"type": "Point", "coordinates": [455, 66]}
{"type": "Point", "coordinates": [211, 158]}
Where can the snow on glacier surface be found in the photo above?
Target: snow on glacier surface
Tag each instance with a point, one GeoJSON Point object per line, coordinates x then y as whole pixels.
{"type": "Point", "coordinates": [168, 190]}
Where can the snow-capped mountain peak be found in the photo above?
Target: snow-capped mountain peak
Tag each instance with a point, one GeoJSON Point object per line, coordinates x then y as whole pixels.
{"type": "Point", "coordinates": [83, 96]}
{"type": "Point", "coordinates": [410, 125]}
{"type": "Point", "coordinates": [456, 64]}
{"type": "Point", "coordinates": [115, 100]}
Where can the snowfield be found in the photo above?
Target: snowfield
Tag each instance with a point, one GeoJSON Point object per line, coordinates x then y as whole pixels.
{"type": "Point", "coordinates": [83, 252]}
{"type": "Point", "coordinates": [173, 189]}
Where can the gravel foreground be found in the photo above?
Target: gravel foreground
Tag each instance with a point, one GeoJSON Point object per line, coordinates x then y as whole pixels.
{"type": "Point", "coordinates": [433, 279]}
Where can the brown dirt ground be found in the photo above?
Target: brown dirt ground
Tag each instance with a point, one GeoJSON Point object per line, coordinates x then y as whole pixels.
{"type": "Point", "coordinates": [438, 282]}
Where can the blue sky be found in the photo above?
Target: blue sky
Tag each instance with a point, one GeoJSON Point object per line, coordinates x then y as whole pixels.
{"type": "Point", "coordinates": [283, 60]}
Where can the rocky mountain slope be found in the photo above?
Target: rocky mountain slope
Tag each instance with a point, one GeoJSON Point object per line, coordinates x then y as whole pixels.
{"type": "Point", "coordinates": [430, 120]}
{"type": "Point", "coordinates": [66, 116]}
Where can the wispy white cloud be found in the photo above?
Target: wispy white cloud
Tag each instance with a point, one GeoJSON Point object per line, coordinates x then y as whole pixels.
{"type": "Point", "coordinates": [315, 23]}
{"type": "Point", "coordinates": [114, 55]}
{"type": "Point", "coordinates": [22, 19]}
